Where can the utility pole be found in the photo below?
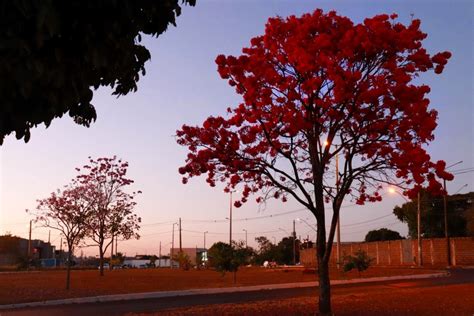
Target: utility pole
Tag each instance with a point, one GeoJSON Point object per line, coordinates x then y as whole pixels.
{"type": "Point", "coordinates": [420, 247]}
{"type": "Point", "coordinates": [230, 220]}
{"type": "Point", "coordinates": [246, 246]}
{"type": "Point", "coordinates": [294, 243]}
{"type": "Point", "coordinates": [446, 232]}
{"type": "Point", "coordinates": [60, 250]}
{"type": "Point", "coordinates": [338, 226]}
{"type": "Point", "coordinates": [111, 252]}
{"type": "Point", "coordinates": [205, 239]}
{"type": "Point", "coordinates": [29, 246]}
{"type": "Point", "coordinates": [172, 248]}
{"type": "Point", "coordinates": [159, 257]}
{"type": "Point", "coordinates": [180, 240]}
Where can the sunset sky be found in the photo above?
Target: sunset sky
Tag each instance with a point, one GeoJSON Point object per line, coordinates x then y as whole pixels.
{"type": "Point", "coordinates": [183, 86]}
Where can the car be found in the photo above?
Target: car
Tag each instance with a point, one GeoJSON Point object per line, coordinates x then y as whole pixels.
{"type": "Point", "coordinates": [106, 266]}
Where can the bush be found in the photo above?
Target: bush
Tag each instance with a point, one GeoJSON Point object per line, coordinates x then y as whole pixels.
{"type": "Point", "coordinates": [183, 260]}
{"type": "Point", "coordinates": [361, 261]}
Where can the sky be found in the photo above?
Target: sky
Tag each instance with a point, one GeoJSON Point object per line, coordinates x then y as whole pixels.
{"type": "Point", "coordinates": [182, 86]}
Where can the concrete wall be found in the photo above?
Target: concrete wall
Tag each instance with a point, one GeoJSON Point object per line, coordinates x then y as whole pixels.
{"type": "Point", "coordinates": [403, 252]}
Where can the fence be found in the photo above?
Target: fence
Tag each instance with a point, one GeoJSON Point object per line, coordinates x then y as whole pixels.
{"type": "Point", "coordinates": [403, 252]}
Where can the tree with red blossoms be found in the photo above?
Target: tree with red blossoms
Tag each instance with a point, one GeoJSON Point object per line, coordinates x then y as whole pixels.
{"type": "Point", "coordinates": [112, 208]}
{"type": "Point", "coordinates": [316, 88]}
{"type": "Point", "coordinates": [66, 211]}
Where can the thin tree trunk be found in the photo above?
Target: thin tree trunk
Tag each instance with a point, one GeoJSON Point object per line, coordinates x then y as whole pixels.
{"type": "Point", "coordinates": [68, 269]}
{"type": "Point", "coordinates": [101, 261]}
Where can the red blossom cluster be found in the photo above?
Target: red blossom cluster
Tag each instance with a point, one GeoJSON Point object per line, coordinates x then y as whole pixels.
{"type": "Point", "coordinates": [321, 77]}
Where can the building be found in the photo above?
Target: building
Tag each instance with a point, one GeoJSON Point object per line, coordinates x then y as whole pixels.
{"type": "Point", "coordinates": [14, 249]}
{"type": "Point", "coordinates": [136, 263]}
{"type": "Point", "coordinates": [194, 254]}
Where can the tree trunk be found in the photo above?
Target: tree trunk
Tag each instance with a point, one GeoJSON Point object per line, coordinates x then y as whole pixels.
{"type": "Point", "coordinates": [101, 261]}
{"type": "Point", "coordinates": [323, 257]}
{"type": "Point", "coordinates": [68, 269]}
{"type": "Point", "coordinates": [324, 288]}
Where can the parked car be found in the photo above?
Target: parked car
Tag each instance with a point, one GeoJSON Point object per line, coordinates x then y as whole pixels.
{"type": "Point", "coordinates": [106, 266]}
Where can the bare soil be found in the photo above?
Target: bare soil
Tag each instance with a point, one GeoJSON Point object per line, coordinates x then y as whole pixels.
{"type": "Point", "coordinates": [48, 285]}
{"type": "Point", "coordinates": [437, 300]}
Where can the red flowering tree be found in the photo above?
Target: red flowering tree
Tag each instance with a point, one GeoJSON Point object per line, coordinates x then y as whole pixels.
{"type": "Point", "coordinates": [67, 212]}
{"type": "Point", "coordinates": [315, 88]}
{"type": "Point", "coordinates": [112, 208]}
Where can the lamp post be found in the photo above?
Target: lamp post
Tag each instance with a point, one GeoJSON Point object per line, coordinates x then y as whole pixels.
{"type": "Point", "coordinates": [245, 237]}
{"type": "Point", "coordinates": [445, 210]}
{"type": "Point", "coordinates": [420, 243]}
{"type": "Point", "coordinates": [230, 217]}
{"type": "Point", "coordinates": [309, 225]}
{"type": "Point", "coordinates": [172, 247]}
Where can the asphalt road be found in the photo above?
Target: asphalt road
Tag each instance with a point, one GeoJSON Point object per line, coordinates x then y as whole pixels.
{"type": "Point", "coordinates": [458, 276]}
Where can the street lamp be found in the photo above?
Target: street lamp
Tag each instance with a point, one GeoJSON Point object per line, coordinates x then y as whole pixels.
{"type": "Point", "coordinates": [418, 220]}
{"type": "Point", "coordinates": [230, 217]}
{"type": "Point", "coordinates": [172, 247]}
{"type": "Point", "coordinates": [245, 237]}
{"type": "Point", "coordinates": [205, 239]}
{"type": "Point", "coordinates": [309, 225]}
{"type": "Point", "coordinates": [445, 209]}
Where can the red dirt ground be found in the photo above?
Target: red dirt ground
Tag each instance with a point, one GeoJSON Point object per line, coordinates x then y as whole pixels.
{"type": "Point", "coordinates": [438, 300]}
{"type": "Point", "coordinates": [47, 285]}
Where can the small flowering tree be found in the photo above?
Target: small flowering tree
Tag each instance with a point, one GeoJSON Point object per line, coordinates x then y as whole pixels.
{"type": "Point", "coordinates": [317, 88]}
{"type": "Point", "coordinates": [68, 212]}
{"type": "Point", "coordinates": [112, 208]}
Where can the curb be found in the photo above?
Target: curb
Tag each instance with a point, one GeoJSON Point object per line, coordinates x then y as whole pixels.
{"type": "Point", "coordinates": [164, 294]}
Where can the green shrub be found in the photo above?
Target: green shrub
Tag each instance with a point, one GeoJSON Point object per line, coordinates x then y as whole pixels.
{"type": "Point", "coordinates": [360, 261]}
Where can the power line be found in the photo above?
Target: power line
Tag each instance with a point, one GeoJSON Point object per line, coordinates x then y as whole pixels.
{"type": "Point", "coordinates": [158, 223]}
{"type": "Point", "coordinates": [367, 221]}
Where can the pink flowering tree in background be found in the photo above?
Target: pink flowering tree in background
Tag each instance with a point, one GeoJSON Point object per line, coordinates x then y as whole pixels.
{"type": "Point", "coordinates": [112, 214]}
{"type": "Point", "coordinates": [317, 88]}
{"type": "Point", "coordinates": [68, 212]}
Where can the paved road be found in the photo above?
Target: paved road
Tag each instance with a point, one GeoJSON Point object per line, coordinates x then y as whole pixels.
{"type": "Point", "coordinates": [458, 276]}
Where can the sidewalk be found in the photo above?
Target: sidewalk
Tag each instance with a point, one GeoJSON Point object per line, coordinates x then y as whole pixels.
{"type": "Point", "coordinates": [164, 294]}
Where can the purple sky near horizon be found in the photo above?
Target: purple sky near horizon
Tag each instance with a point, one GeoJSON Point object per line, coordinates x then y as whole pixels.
{"type": "Point", "coordinates": [183, 86]}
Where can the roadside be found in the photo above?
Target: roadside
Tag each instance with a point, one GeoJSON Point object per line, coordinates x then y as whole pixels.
{"type": "Point", "coordinates": [280, 301]}
{"type": "Point", "coordinates": [49, 285]}
{"type": "Point", "coordinates": [407, 299]}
